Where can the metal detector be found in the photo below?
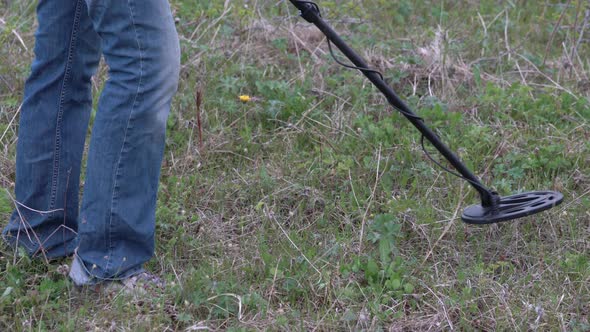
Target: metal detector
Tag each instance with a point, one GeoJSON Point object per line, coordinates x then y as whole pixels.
{"type": "Point", "coordinates": [493, 207]}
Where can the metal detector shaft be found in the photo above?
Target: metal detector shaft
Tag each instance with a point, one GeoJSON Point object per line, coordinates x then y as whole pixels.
{"type": "Point", "coordinates": [310, 13]}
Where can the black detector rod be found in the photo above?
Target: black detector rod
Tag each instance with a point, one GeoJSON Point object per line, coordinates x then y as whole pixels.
{"type": "Point", "coordinates": [493, 208]}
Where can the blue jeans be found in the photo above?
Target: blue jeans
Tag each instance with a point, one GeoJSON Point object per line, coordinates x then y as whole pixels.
{"type": "Point", "coordinates": [113, 229]}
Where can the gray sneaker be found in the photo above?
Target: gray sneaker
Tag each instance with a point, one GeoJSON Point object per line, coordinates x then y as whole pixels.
{"type": "Point", "coordinates": [139, 285]}
{"type": "Point", "coordinates": [143, 283]}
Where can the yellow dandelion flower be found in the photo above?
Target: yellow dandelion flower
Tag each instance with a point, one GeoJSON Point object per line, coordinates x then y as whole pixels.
{"type": "Point", "coordinates": [245, 98]}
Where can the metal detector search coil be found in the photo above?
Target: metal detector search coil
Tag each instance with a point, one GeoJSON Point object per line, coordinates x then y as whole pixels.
{"type": "Point", "coordinates": [493, 207]}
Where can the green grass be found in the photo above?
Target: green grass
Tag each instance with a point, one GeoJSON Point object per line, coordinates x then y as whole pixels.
{"type": "Point", "coordinates": [313, 207]}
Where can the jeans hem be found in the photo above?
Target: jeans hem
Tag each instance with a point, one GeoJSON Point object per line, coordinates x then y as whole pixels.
{"type": "Point", "coordinates": [81, 276]}
{"type": "Point", "coordinates": [34, 251]}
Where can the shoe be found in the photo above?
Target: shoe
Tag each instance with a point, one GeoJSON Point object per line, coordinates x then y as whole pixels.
{"type": "Point", "coordinates": [142, 283]}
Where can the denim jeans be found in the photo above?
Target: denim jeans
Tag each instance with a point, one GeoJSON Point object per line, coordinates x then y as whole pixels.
{"type": "Point", "coordinates": [112, 230]}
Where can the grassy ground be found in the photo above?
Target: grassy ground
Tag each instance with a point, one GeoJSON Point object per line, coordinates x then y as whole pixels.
{"type": "Point", "coordinates": [312, 206]}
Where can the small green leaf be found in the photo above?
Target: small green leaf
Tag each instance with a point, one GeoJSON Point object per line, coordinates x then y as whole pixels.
{"type": "Point", "coordinates": [395, 284]}
{"type": "Point", "coordinates": [408, 288]}
{"type": "Point", "coordinates": [371, 270]}
{"type": "Point", "coordinates": [384, 250]}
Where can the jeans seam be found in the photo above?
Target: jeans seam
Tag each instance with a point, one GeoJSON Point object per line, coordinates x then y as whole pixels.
{"type": "Point", "coordinates": [67, 72]}
{"type": "Point", "coordinates": [133, 107]}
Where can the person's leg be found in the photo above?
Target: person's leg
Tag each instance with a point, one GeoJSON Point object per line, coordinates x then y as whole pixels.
{"type": "Point", "coordinates": [52, 128]}
{"type": "Point", "coordinates": [117, 218]}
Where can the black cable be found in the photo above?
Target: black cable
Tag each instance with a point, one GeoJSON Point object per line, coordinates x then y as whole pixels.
{"type": "Point", "coordinates": [369, 70]}
{"type": "Point", "coordinates": [407, 114]}
{"type": "Point", "coordinates": [366, 70]}
{"type": "Point", "coordinates": [448, 170]}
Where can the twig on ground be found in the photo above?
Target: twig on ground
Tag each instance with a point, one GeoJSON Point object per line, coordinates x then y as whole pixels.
{"type": "Point", "coordinates": [584, 25]}
{"type": "Point", "coordinates": [10, 123]}
{"type": "Point", "coordinates": [557, 85]}
{"type": "Point", "coordinates": [449, 225]}
{"type": "Point", "coordinates": [27, 226]}
{"type": "Point", "coordinates": [270, 215]}
{"type": "Point", "coordinates": [198, 103]}
{"type": "Point", "coordinates": [557, 25]}
{"type": "Point", "coordinates": [370, 199]}
{"type": "Point", "coordinates": [237, 297]}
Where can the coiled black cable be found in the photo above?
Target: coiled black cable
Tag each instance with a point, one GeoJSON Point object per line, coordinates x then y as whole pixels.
{"type": "Point", "coordinates": [316, 8]}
